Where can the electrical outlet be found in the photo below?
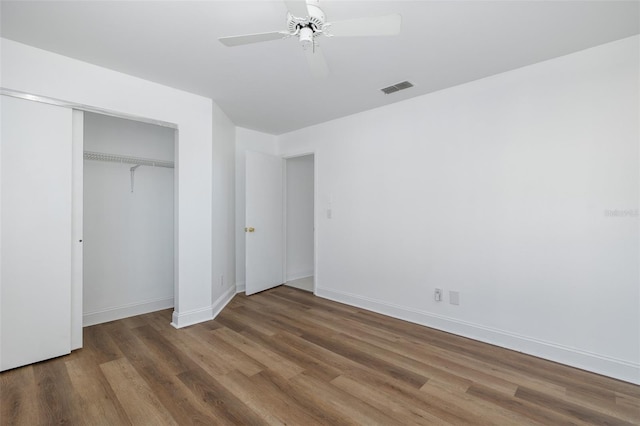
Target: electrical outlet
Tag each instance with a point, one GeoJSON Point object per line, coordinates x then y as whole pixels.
{"type": "Point", "coordinates": [454, 297]}
{"type": "Point", "coordinates": [437, 295]}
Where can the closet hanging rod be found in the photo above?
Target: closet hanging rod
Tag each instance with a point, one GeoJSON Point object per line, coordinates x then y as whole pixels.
{"type": "Point", "coordinates": [100, 156]}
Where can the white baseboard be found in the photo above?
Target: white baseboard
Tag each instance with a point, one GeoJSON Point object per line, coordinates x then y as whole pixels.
{"type": "Point", "coordinates": [298, 275]}
{"type": "Point", "coordinates": [129, 310]}
{"type": "Point", "coordinates": [222, 301]}
{"type": "Point", "coordinates": [240, 287]}
{"type": "Point", "coordinates": [607, 366]}
{"type": "Point", "coordinates": [195, 316]}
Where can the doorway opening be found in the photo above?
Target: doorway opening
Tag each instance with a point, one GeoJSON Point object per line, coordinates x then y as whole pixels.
{"type": "Point", "coordinates": [299, 216]}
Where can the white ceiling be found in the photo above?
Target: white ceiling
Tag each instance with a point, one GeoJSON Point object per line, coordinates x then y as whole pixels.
{"type": "Point", "coordinates": [268, 87]}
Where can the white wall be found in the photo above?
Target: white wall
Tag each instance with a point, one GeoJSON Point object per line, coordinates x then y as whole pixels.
{"type": "Point", "coordinates": [223, 285]}
{"type": "Point", "coordinates": [246, 140]}
{"type": "Point", "coordinates": [498, 189]}
{"type": "Point", "coordinates": [299, 214]}
{"type": "Point", "coordinates": [44, 73]}
{"type": "Point", "coordinates": [128, 236]}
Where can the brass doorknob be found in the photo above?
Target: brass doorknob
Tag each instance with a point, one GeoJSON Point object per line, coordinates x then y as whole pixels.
{"type": "Point", "coordinates": [249, 229]}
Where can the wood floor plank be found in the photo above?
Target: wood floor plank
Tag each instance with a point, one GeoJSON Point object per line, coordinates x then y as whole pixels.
{"type": "Point", "coordinates": [269, 314]}
{"type": "Point", "coordinates": [450, 360]}
{"type": "Point", "coordinates": [349, 407]}
{"type": "Point", "coordinates": [537, 413]}
{"type": "Point", "coordinates": [350, 324]}
{"type": "Point", "coordinates": [323, 336]}
{"type": "Point", "coordinates": [231, 356]}
{"type": "Point", "coordinates": [441, 408]}
{"type": "Point", "coordinates": [484, 412]}
{"type": "Point", "coordinates": [18, 390]}
{"type": "Point", "coordinates": [377, 379]}
{"type": "Point", "coordinates": [204, 354]}
{"type": "Point", "coordinates": [226, 407]}
{"type": "Point", "coordinates": [568, 408]}
{"type": "Point", "coordinates": [406, 413]}
{"type": "Point", "coordinates": [160, 375]}
{"type": "Point", "coordinates": [236, 316]}
{"type": "Point", "coordinates": [274, 407]}
{"type": "Point", "coordinates": [628, 401]}
{"type": "Point", "coordinates": [99, 342]}
{"type": "Point", "coordinates": [460, 376]}
{"type": "Point", "coordinates": [139, 402]}
{"type": "Point", "coordinates": [262, 355]}
{"type": "Point", "coordinates": [284, 356]}
{"type": "Point", "coordinates": [270, 382]}
{"type": "Point", "coordinates": [309, 364]}
{"type": "Point", "coordinates": [243, 317]}
{"type": "Point", "coordinates": [173, 359]}
{"type": "Point", "coordinates": [307, 300]}
{"type": "Point", "coordinates": [55, 392]}
{"type": "Point", "coordinates": [97, 403]}
{"type": "Point", "coordinates": [606, 405]}
{"type": "Point", "coordinates": [442, 369]}
{"type": "Point", "coordinates": [364, 358]}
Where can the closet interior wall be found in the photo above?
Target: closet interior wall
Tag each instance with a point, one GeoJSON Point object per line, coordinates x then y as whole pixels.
{"type": "Point", "coordinates": [128, 254]}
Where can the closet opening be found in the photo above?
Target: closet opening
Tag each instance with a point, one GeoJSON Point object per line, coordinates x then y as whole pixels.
{"type": "Point", "coordinates": [128, 218]}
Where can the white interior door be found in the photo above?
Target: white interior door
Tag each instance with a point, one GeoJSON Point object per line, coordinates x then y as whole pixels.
{"type": "Point", "coordinates": [264, 227]}
{"type": "Point", "coordinates": [35, 232]}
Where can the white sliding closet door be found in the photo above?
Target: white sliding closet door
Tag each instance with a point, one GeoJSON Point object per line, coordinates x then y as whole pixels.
{"type": "Point", "coordinates": [35, 232]}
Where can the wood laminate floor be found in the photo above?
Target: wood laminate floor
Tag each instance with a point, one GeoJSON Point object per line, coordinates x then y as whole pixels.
{"type": "Point", "coordinates": [286, 357]}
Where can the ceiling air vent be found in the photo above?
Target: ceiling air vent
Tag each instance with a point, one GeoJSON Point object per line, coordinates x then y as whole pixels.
{"type": "Point", "coordinates": [396, 87]}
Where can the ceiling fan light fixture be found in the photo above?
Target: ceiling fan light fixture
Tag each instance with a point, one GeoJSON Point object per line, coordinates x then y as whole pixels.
{"type": "Point", "coordinates": [306, 37]}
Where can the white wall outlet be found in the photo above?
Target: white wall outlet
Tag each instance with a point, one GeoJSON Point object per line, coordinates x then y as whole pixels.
{"type": "Point", "coordinates": [437, 295]}
{"type": "Point", "coordinates": [454, 297]}
{"type": "Point", "coordinates": [329, 213]}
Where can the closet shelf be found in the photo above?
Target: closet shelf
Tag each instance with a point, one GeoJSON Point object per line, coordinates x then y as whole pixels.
{"type": "Point", "coordinates": [100, 156]}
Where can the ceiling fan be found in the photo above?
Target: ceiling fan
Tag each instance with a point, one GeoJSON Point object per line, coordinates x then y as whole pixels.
{"type": "Point", "coordinates": [307, 22]}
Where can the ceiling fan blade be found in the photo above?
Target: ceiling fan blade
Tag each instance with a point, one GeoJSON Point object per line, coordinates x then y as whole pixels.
{"type": "Point", "coordinates": [317, 63]}
{"type": "Point", "coordinates": [297, 8]}
{"type": "Point", "coordinates": [252, 38]}
{"type": "Point", "coordinates": [376, 26]}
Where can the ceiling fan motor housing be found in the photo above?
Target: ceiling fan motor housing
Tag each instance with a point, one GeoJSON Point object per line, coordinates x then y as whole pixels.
{"type": "Point", "coordinates": [307, 28]}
